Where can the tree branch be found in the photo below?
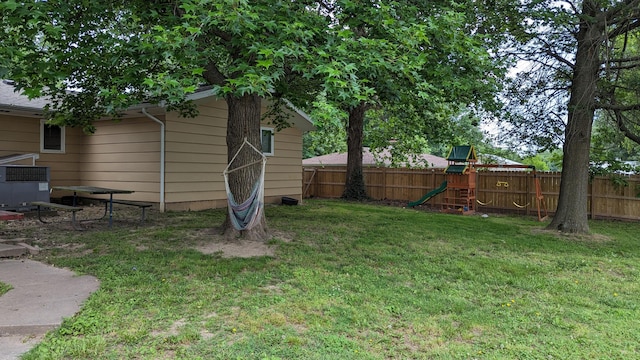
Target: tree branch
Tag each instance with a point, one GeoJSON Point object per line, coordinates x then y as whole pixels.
{"type": "Point", "coordinates": [611, 15]}
{"type": "Point", "coordinates": [554, 55]}
{"type": "Point", "coordinates": [573, 7]}
{"type": "Point", "coordinates": [624, 129]}
{"type": "Point", "coordinates": [622, 60]}
{"type": "Point", "coordinates": [213, 75]}
{"type": "Point", "coordinates": [623, 29]}
{"type": "Point", "coordinates": [624, 67]}
{"type": "Point", "coordinates": [618, 108]}
{"type": "Point", "coordinates": [626, 12]}
{"type": "Point", "coordinates": [326, 6]}
{"type": "Point", "coordinates": [222, 35]}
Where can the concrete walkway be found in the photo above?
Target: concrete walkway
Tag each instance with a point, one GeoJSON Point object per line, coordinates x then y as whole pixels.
{"type": "Point", "coordinates": [42, 296]}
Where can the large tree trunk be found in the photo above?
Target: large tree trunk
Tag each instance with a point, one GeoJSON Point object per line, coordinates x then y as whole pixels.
{"type": "Point", "coordinates": [354, 188]}
{"type": "Point", "coordinates": [571, 214]}
{"type": "Point", "coordinates": [244, 122]}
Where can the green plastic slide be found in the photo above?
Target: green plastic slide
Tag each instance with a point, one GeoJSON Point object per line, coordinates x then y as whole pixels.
{"type": "Point", "coordinates": [429, 195]}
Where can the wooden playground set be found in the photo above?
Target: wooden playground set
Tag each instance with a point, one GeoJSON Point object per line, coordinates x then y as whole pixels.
{"type": "Point", "coordinates": [459, 188]}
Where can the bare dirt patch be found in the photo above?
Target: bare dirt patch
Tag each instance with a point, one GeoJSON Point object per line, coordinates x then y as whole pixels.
{"type": "Point", "coordinates": [588, 238]}
{"type": "Point", "coordinates": [216, 243]}
{"type": "Point", "coordinates": [92, 218]}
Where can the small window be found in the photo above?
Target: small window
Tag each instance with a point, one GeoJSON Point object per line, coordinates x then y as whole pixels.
{"type": "Point", "coordinates": [51, 138]}
{"type": "Point", "coordinates": [266, 138]}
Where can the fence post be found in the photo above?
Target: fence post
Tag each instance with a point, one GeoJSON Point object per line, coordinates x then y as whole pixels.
{"type": "Point", "coordinates": [434, 184]}
{"type": "Point", "coordinates": [593, 199]}
{"type": "Point", "coordinates": [528, 197]}
{"type": "Point", "coordinates": [316, 182]}
{"type": "Point", "coordinates": [384, 183]}
{"type": "Point", "coordinates": [433, 178]}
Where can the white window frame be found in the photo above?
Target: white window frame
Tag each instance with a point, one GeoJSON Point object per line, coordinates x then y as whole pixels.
{"type": "Point", "coordinates": [271, 151]}
{"type": "Point", "coordinates": [43, 123]}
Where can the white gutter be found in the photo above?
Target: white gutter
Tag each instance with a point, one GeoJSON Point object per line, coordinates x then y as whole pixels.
{"type": "Point", "coordinates": [162, 141]}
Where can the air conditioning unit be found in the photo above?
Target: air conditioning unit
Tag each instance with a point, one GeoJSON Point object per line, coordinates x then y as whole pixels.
{"type": "Point", "coordinates": [20, 185]}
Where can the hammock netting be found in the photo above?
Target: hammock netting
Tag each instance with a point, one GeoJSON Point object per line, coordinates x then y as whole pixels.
{"type": "Point", "coordinates": [246, 215]}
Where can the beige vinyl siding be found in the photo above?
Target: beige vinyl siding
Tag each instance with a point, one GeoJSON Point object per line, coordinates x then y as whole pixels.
{"type": "Point", "coordinates": [196, 155]}
{"type": "Point", "coordinates": [65, 168]}
{"type": "Point", "coordinates": [21, 135]}
{"type": "Point", "coordinates": [124, 155]}
{"type": "Point", "coordinates": [284, 176]}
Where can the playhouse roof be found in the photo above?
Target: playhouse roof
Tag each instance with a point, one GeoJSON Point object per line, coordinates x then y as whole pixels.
{"type": "Point", "coordinates": [462, 153]}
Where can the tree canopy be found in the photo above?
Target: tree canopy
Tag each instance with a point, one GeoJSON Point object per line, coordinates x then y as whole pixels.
{"type": "Point", "coordinates": [129, 52]}
{"type": "Point", "coordinates": [418, 64]}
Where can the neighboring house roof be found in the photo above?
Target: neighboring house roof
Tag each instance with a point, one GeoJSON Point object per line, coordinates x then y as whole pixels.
{"type": "Point", "coordinates": [19, 104]}
{"type": "Point", "coordinates": [498, 160]}
{"type": "Point", "coordinates": [634, 165]}
{"type": "Point", "coordinates": [368, 158]}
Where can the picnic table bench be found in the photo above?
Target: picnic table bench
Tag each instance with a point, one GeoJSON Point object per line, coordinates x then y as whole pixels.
{"type": "Point", "coordinates": [44, 204]}
{"type": "Point", "coordinates": [142, 205]}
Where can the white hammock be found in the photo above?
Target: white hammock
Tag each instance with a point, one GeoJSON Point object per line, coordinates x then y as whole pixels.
{"type": "Point", "coordinates": [246, 215]}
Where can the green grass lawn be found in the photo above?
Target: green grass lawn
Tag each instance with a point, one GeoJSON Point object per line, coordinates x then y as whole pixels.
{"type": "Point", "coordinates": [354, 281]}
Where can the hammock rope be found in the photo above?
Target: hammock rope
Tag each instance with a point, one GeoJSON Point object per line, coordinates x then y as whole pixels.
{"type": "Point", "coordinates": [246, 215]}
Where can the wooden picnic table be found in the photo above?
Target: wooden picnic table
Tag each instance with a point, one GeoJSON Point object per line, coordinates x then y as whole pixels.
{"type": "Point", "coordinates": [94, 190]}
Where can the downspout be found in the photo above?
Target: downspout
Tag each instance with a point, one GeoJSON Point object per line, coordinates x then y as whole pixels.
{"type": "Point", "coordinates": [162, 168]}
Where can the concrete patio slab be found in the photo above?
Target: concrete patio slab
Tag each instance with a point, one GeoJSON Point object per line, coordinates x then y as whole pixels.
{"type": "Point", "coordinates": [42, 296]}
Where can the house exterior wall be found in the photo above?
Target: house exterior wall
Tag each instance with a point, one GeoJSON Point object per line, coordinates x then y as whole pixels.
{"type": "Point", "coordinates": [196, 155]}
{"type": "Point", "coordinates": [126, 155]}
{"type": "Point", "coordinates": [123, 155]}
{"type": "Point", "coordinates": [21, 135]}
{"type": "Point", "coordinates": [283, 176]}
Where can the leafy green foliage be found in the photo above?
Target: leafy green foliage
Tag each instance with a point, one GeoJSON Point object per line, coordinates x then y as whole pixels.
{"type": "Point", "coordinates": [125, 53]}
{"type": "Point", "coordinates": [330, 135]}
{"type": "Point", "coordinates": [536, 161]}
{"type": "Point", "coordinates": [410, 61]}
{"type": "Point", "coordinates": [611, 153]}
{"type": "Point", "coordinates": [609, 144]}
{"type": "Point", "coordinates": [547, 160]}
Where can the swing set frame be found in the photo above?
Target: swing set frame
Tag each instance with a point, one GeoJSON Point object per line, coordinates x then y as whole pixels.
{"type": "Point", "coordinates": [541, 204]}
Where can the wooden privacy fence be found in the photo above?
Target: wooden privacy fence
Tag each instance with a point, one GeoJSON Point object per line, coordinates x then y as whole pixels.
{"type": "Point", "coordinates": [497, 191]}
